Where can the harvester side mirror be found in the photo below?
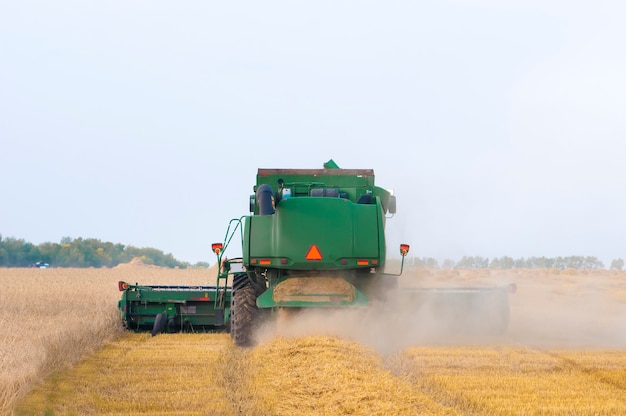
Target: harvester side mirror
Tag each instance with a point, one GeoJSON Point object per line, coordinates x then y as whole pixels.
{"type": "Point", "coordinates": [217, 248]}
{"type": "Point", "coordinates": [404, 249]}
{"type": "Point", "coordinates": [392, 204]}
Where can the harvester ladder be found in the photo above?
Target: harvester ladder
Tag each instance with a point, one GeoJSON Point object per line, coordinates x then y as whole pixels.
{"type": "Point", "coordinates": [224, 264]}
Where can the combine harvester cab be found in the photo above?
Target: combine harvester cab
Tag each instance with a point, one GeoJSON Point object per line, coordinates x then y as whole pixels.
{"type": "Point", "coordinates": [174, 308]}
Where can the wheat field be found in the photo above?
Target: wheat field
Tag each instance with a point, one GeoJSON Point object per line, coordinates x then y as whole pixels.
{"type": "Point", "coordinates": [64, 353]}
{"type": "Point", "coordinates": [52, 317]}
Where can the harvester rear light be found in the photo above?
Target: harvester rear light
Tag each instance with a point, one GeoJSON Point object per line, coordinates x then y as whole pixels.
{"type": "Point", "coordinates": [362, 262]}
{"type": "Point", "coordinates": [374, 262]}
{"type": "Point", "coordinates": [122, 286]}
{"type": "Point", "coordinates": [265, 262]}
{"type": "Point", "coordinates": [217, 248]}
{"type": "Point", "coordinates": [404, 249]}
{"type": "Point", "coordinates": [283, 261]}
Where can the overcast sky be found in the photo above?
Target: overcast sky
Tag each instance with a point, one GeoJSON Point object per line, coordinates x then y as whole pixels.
{"type": "Point", "coordinates": [501, 126]}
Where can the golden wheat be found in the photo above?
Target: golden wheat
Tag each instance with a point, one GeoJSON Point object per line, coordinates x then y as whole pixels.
{"type": "Point", "coordinates": [320, 375]}
{"type": "Point", "coordinates": [510, 381]}
{"type": "Point", "coordinates": [63, 324]}
{"type": "Point", "coordinates": [175, 374]}
{"type": "Point", "coordinates": [51, 317]}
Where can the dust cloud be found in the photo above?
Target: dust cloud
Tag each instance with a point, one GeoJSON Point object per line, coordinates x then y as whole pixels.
{"type": "Point", "coordinates": [549, 309]}
{"type": "Point", "coordinates": [570, 310]}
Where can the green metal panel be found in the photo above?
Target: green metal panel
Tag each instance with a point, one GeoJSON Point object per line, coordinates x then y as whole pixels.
{"type": "Point", "coordinates": [339, 228]}
{"type": "Point", "coordinates": [365, 231]}
{"type": "Point", "coordinates": [189, 308]}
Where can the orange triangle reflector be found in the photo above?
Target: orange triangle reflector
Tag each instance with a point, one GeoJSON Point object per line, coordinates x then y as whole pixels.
{"type": "Point", "coordinates": [313, 253]}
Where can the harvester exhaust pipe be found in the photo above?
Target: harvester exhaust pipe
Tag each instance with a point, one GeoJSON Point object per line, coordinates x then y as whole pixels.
{"type": "Point", "coordinates": [265, 199]}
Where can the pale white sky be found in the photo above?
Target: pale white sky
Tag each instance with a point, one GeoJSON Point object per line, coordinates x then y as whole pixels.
{"type": "Point", "coordinates": [501, 127]}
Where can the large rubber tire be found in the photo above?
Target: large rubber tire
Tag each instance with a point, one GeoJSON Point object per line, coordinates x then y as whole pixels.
{"type": "Point", "coordinates": [171, 326]}
{"type": "Point", "coordinates": [239, 280]}
{"type": "Point", "coordinates": [244, 315]}
{"type": "Point", "coordinates": [159, 323]}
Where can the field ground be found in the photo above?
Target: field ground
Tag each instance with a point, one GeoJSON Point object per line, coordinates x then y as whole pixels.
{"type": "Point", "coordinates": [63, 353]}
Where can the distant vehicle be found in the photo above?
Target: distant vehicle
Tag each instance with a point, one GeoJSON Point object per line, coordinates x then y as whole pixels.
{"type": "Point", "coordinates": [40, 265]}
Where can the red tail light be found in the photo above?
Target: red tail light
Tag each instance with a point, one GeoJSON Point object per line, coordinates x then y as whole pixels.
{"type": "Point", "coordinates": [217, 247]}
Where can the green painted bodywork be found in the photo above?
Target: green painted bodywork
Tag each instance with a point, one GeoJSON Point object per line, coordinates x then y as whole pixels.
{"type": "Point", "coordinates": [189, 308]}
{"type": "Point", "coordinates": [339, 212]}
{"type": "Point", "coordinates": [339, 228]}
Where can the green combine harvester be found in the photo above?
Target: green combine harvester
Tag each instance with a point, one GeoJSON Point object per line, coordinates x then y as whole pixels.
{"type": "Point", "coordinates": [314, 239]}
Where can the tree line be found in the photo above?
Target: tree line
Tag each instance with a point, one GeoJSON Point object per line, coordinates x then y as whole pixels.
{"type": "Point", "coordinates": [79, 252]}
{"type": "Point", "coordinates": [505, 262]}
{"type": "Point", "coordinates": [92, 252]}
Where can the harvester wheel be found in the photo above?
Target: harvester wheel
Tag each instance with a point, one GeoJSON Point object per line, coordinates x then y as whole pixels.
{"type": "Point", "coordinates": [244, 315]}
{"type": "Point", "coordinates": [159, 323]}
{"type": "Point", "coordinates": [171, 326]}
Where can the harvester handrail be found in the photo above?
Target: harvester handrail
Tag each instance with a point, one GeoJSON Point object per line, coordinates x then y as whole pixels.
{"type": "Point", "coordinates": [230, 234]}
{"type": "Point", "coordinates": [223, 272]}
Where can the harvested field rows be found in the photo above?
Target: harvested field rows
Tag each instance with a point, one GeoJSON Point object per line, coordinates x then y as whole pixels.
{"type": "Point", "coordinates": [565, 353]}
{"type": "Point", "coordinates": [138, 374]}
{"type": "Point", "coordinates": [204, 374]}
{"type": "Point", "coordinates": [518, 380]}
{"type": "Point", "coordinates": [319, 375]}
{"type": "Point", "coordinates": [51, 317]}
